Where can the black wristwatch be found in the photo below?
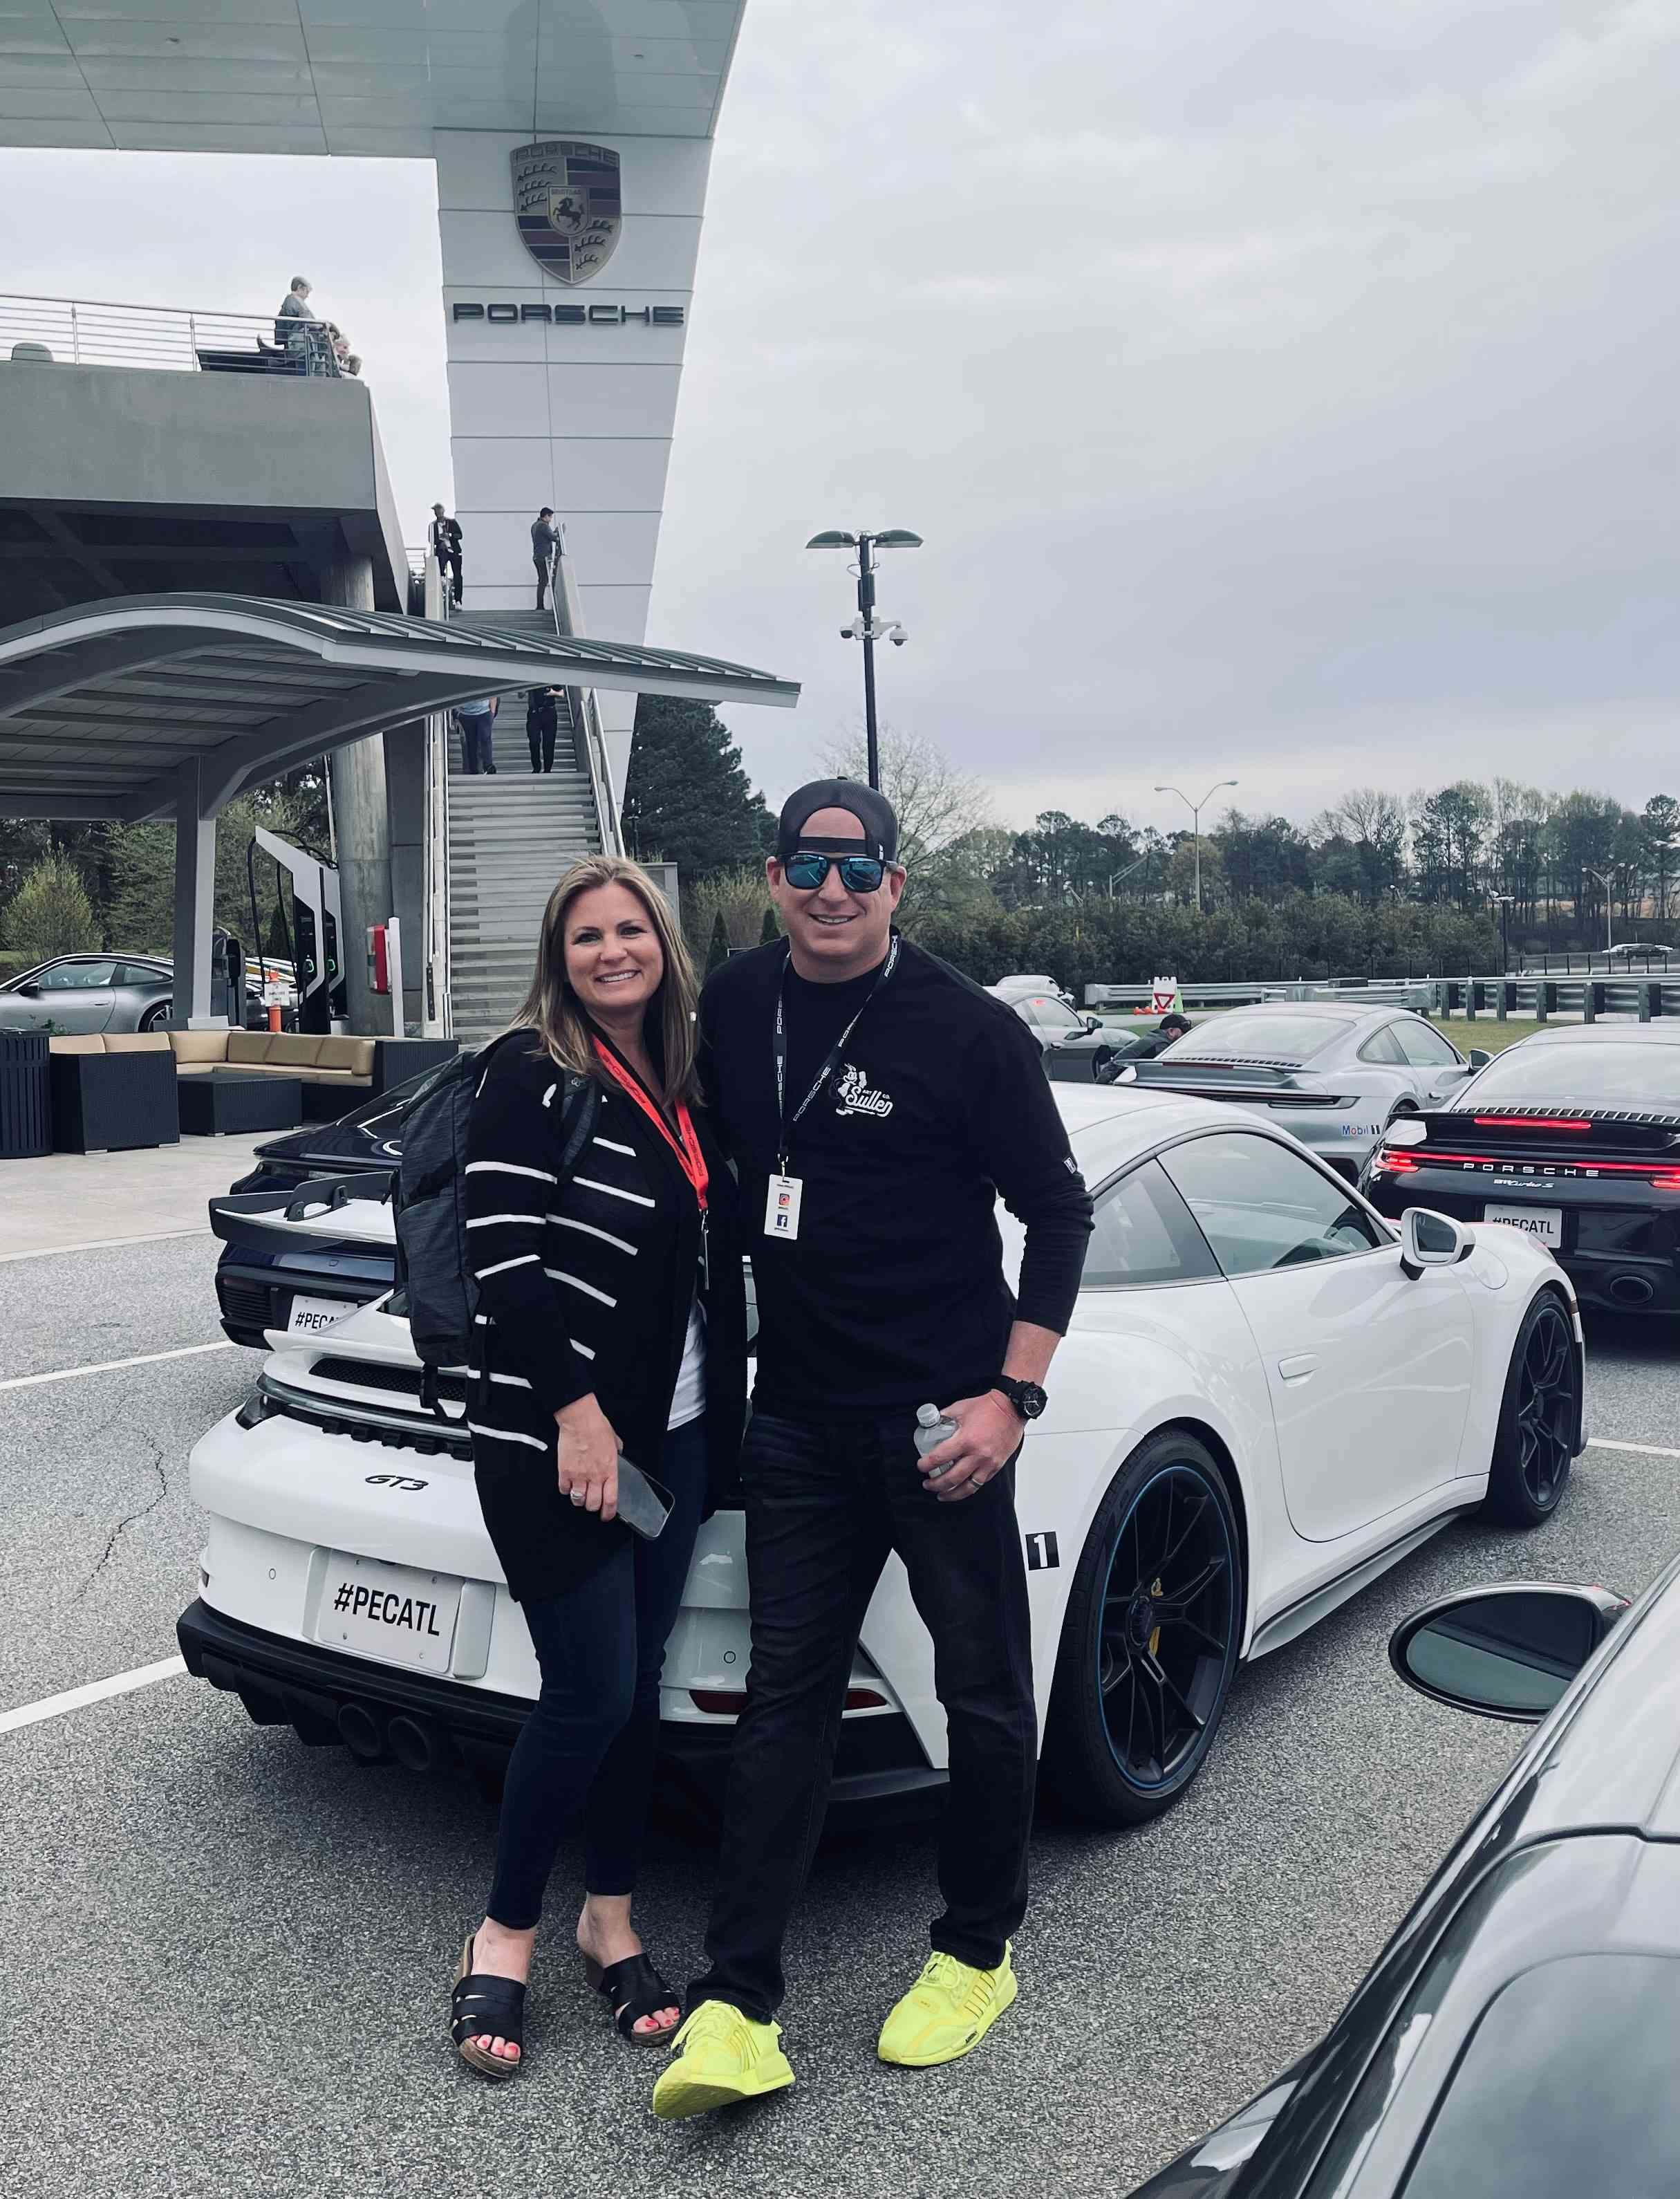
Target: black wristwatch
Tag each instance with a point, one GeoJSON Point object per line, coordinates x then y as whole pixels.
{"type": "Point", "coordinates": [1027, 1397]}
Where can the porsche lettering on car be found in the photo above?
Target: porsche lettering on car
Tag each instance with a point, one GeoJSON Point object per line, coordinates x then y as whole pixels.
{"type": "Point", "coordinates": [1267, 1395]}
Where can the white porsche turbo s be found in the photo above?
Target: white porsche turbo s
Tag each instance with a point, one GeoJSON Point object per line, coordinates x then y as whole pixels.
{"type": "Point", "coordinates": [1267, 1395]}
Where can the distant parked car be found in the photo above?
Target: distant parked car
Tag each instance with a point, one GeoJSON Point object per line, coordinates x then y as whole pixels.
{"type": "Point", "coordinates": [1336, 1076]}
{"type": "Point", "coordinates": [81, 994]}
{"type": "Point", "coordinates": [1078, 1049]}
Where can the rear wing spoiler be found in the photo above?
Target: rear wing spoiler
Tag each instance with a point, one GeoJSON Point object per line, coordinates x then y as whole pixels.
{"type": "Point", "coordinates": [298, 1220]}
{"type": "Point", "coordinates": [1248, 1087]}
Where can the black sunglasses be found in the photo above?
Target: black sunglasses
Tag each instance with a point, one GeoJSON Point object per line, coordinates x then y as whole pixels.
{"type": "Point", "coordinates": [860, 874]}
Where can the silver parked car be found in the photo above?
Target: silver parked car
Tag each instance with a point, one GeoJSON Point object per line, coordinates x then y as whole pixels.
{"type": "Point", "coordinates": [1336, 1076]}
{"type": "Point", "coordinates": [83, 993]}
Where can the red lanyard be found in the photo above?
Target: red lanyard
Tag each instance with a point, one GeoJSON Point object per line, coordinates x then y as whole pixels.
{"type": "Point", "coordinates": [690, 1158]}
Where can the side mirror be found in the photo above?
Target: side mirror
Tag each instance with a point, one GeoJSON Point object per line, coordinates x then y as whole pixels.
{"type": "Point", "coordinates": [1507, 1652]}
{"type": "Point", "coordinates": [1428, 1240]}
{"type": "Point", "coordinates": [1093, 1024]}
{"type": "Point", "coordinates": [29, 992]}
{"type": "Point", "coordinates": [1478, 1058]}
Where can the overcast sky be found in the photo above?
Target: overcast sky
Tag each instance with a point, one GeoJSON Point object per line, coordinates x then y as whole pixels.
{"type": "Point", "coordinates": [1286, 391]}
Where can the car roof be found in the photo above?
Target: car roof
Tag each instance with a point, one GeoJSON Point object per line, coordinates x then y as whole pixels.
{"type": "Point", "coordinates": [1653, 1034]}
{"type": "Point", "coordinates": [1125, 1119]}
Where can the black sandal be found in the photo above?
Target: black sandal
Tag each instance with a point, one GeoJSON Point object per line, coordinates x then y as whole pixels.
{"type": "Point", "coordinates": [488, 2007]}
{"type": "Point", "coordinates": [635, 1989]}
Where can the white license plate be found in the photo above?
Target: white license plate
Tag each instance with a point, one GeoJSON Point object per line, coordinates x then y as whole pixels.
{"type": "Point", "coordinates": [395, 1612]}
{"type": "Point", "coordinates": [1543, 1222]}
{"type": "Point", "coordinates": [309, 1317]}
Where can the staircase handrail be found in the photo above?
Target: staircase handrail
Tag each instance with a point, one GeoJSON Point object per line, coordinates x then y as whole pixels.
{"type": "Point", "coordinates": [436, 1012]}
{"type": "Point", "coordinates": [585, 712]}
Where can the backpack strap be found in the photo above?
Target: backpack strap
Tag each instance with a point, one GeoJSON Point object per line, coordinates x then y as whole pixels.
{"type": "Point", "coordinates": [579, 1111]}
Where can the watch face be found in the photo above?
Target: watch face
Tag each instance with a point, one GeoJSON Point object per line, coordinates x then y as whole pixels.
{"type": "Point", "coordinates": [1027, 1399]}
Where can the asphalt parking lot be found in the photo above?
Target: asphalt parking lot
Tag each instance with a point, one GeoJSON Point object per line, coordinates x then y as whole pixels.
{"type": "Point", "coordinates": [228, 1956]}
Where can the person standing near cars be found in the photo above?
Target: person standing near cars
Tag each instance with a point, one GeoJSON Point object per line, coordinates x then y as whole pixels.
{"type": "Point", "coordinates": [544, 549]}
{"type": "Point", "coordinates": [875, 1104]}
{"type": "Point", "coordinates": [610, 1329]}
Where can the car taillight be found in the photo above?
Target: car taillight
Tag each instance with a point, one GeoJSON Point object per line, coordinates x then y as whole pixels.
{"type": "Point", "coordinates": [1387, 1163]}
{"type": "Point", "coordinates": [1666, 1179]}
{"type": "Point", "coordinates": [1526, 1123]}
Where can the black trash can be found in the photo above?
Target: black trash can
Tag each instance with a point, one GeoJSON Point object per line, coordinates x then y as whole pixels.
{"type": "Point", "coordinates": [26, 1096]}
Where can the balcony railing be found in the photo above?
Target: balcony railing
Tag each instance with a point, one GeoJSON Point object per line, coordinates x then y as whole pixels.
{"type": "Point", "coordinates": [90, 332]}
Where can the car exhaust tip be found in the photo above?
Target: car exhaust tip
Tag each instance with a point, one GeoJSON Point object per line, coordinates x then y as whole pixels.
{"type": "Point", "coordinates": [1632, 1290]}
{"type": "Point", "coordinates": [360, 1731]}
{"type": "Point", "coordinates": [412, 1742]}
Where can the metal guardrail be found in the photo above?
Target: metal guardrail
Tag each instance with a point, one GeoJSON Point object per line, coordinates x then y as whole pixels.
{"type": "Point", "coordinates": [569, 618]}
{"type": "Point", "coordinates": [1535, 997]}
{"type": "Point", "coordinates": [95, 332]}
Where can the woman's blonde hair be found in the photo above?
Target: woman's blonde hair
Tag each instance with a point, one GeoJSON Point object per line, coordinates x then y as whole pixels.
{"type": "Point", "coordinates": [552, 1009]}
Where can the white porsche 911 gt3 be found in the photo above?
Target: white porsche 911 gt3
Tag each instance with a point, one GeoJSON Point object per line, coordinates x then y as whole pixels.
{"type": "Point", "coordinates": [1268, 1396]}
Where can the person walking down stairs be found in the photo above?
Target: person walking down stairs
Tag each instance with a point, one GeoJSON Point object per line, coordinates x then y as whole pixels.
{"type": "Point", "coordinates": [478, 722]}
{"type": "Point", "coordinates": [542, 719]}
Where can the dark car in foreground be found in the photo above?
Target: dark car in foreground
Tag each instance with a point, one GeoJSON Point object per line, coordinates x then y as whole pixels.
{"type": "Point", "coordinates": [1517, 2035]}
{"type": "Point", "coordinates": [1571, 1136]}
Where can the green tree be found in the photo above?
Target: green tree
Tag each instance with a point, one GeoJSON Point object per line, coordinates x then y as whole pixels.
{"type": "Point", "coordinates": [769, 931]}
{"type": "Point", "coordinates": [1661, 820]}
{"type": "Point", "coordinates": [50, 913]}
{"type": "Point", "coordinates": [717, 953]}
{"type": "Point", "coordinates": [687, 798]}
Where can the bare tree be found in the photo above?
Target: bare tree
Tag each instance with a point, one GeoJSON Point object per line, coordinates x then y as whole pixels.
{"type": "Point", "coordinates": [935, 804]}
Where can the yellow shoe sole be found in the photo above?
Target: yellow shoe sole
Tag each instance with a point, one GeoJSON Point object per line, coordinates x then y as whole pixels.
{"type": "Point", "coordinates": [965, 2046]}
{"type": "Point", "coordinates": [678, 2095]}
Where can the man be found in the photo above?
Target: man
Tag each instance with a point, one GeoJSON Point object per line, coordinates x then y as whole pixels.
{"type": "Point", "coordinates": [1171, 1028]}
{"type": "Point", "coordinates": [444, 537]}
{"type": "Point", "coordinates": [478, 721]}
{"type": "Point", "coordinates": [875, 1104]}
{"type": "Point", "coordinates": [544, 548]}
{"type": "Point", "coordinates": [296, 329]}
{"type": "Point", "coordinates": [542, 721]}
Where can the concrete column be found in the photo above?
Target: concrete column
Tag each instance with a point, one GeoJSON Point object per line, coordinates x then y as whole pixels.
{"type": "Point", "coordinates": [405, 828]}
{"type": "Point", "coordinates": [357, 773]}
{"type": "Point", "coordinates": [194, 906]}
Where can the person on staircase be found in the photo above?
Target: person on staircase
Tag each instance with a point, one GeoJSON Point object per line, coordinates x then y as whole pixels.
{"type": "Point", "coordinates": [445, 534]}
{"type": "Point", "coordinates": [542, 722]}
{"type": "Point", "coordinates": [544, 549]}
{"type": "Point", "coordinates": [477, 721]}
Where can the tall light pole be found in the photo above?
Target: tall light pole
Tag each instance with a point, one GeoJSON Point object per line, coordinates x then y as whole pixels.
{"type": "Point", "coordinates": [865, 628]}
{"type": "Point", "coordinates": [1505, 901]}
{"type": "Point", "coordinates": [1196, 809]}
{"type": "Point", "coordinates": [1605, 883]}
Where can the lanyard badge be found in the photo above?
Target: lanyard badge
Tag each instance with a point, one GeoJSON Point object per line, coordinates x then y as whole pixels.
{"type": "Point", "coordinates": [784, 1191]}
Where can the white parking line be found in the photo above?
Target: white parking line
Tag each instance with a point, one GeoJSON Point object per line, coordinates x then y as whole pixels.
{"type": "Point", "coordinates": [97, 1691]}
{"type": "Point", "coordinates": [102, 1245]}
{"type": "Point", "coordinates": [106, 1366]}
{"type": "Point", "coordinates": [1647, 1450]}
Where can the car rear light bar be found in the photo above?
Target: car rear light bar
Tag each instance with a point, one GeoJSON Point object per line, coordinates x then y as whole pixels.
{"type": "Point", "coordinates": [1660, 1176]}
{"type": "Point", "coordinates": [1528, 1122]}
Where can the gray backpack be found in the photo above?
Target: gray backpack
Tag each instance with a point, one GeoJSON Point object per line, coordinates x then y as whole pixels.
{"type": "Point", "coordinates": [434, 1287]}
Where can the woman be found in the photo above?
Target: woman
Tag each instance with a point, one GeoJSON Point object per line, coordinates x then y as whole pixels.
{"type": "Point", "coordinates": [610, 1317]}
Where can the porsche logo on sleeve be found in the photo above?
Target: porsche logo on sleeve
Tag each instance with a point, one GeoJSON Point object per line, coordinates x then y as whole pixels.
{"type": "Point", "coordinates": [566, 202]}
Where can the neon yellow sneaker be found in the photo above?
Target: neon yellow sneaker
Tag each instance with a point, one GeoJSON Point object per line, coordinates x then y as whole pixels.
{"type": "Point", "coordinates": [719, 2056]}
{"type": "Point", "coordinates": [950, 2009]}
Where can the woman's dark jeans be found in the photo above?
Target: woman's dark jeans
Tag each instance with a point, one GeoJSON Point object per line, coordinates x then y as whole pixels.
{"type": "Point", "coordinates": [591, 1739]}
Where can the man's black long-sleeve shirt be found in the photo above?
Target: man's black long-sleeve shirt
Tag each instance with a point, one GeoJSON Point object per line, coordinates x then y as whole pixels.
{"type": "Point", "coordinates": [892, 1294]}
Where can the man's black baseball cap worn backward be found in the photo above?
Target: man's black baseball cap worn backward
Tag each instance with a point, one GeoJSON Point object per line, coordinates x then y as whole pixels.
{"type": "Point", "coordinates": [873, 811]}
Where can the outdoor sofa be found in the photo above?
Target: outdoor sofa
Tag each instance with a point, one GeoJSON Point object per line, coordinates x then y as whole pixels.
{"type": "Point", "coordinates": [336, 1073]}
{"type": "Point", "coordinates": [111, 1090]}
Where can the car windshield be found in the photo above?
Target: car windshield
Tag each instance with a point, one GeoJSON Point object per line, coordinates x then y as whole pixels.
{"type": "Point", "coordinates": [1564, 2088]}
{"type": "Point", "coordinates": [1234, 1037]}
{"type": "Point", "coordinates": [1585, 1073]}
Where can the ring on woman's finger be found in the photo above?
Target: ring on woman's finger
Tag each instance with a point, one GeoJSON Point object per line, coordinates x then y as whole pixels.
{"type": "Point", "coordinates": [577, 1496]}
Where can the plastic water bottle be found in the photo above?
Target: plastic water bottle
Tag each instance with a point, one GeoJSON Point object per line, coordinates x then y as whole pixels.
{"type": "Point", "coordinates": [930, 1430]}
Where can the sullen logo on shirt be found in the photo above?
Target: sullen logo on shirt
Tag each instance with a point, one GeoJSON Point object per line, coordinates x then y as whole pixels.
{"type": "Point", "coordinates": [854, 1097]}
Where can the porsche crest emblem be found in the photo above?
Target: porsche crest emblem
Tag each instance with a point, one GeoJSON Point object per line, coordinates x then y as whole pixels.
{"type": "Point", "coordinates": [566, 202]}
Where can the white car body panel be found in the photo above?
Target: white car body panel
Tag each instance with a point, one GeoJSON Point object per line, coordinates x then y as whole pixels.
{"type": "Point", "coordinates": [1388, 1434]}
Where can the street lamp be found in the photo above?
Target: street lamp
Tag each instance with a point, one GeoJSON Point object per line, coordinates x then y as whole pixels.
{"type": "Point", "coordinates": [865, 628]}
{"type": "Point", "coordinates": [1504, 901]}
{"type": "Point", "coordinates": [1196, 809]}
{"type": "Point", "coordinates": [1115, 877]}
{"type": "Point", "coordinates": [1605, 883]}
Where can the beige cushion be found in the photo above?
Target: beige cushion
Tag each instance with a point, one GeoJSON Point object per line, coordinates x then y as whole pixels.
{"type": "Point", "coordinates": [299, 1048]}
{"type": "Point", "coordinates": [355, 1054]}
{"type": "Point", "coordinates": [247, 1047]}
{"type": "Point", "coordinates": [137, 1043]}
{"type": "Point", "coordinates": [264, 1068]}
{"type": "Point", "coordinates": [200, 1046]}
{"type": "Point", "coordinates": [197, 1068]}
{"type": "Point", "coordinates": [88, 1042]}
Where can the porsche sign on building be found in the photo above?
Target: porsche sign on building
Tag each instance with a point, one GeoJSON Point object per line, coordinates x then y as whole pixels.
{"type": "Point", "coordinates": [572, 143]}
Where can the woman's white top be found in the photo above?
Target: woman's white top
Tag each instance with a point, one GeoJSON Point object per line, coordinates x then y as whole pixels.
{"type": "Point", "coordinates": [688, 1400]}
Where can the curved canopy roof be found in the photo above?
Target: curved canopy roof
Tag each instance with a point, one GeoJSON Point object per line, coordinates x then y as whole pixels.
{"type": "Point", "coordinates": [100, 706]}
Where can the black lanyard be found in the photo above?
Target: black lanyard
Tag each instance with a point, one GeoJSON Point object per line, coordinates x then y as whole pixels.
{"type": "Point", "coordinates": [830, 1065]}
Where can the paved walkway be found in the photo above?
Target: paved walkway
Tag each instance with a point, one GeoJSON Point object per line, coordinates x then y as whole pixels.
{"type": "Point", "coordinates": [69, 1200]}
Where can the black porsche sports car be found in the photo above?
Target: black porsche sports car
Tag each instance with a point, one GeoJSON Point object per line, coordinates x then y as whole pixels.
{"type": "Point", "coordinates": [1517, 2034]}
{"type": "Point", "coordinates": [1572, 1136]}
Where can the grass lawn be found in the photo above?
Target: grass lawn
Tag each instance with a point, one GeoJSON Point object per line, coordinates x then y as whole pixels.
{"type": "Point", "coordinates": [1488, 1034]}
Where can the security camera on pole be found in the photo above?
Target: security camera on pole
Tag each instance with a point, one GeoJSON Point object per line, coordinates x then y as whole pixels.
{"type": "Point", "coordinates": [867, 627]}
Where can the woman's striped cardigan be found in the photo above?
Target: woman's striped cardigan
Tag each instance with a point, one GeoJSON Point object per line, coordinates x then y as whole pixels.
{"type": "Point", "coordinates": [583, 1284]}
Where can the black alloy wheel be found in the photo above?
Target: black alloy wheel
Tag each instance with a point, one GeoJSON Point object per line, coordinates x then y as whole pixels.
{"type": "Point", "coordinates": [1149, 1641]}
{"type": "Point", "coordinates": [1534, 1446]}
{"type": "Point", "coordinates": [156, 1017]}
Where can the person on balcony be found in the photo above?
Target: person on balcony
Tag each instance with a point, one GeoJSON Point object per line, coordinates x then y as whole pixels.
{"type": "Point", "coordinates": [544, 549]}
{"type": "Point", "coordinates": [542, 722]}
{"type": "Point", "coordinates": [444, 538]}
{"type": "Point", "coordinates": [298, 329]}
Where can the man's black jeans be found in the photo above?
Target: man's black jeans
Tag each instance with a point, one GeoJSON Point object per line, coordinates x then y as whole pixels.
{"type": "Point", "coordinates": [824, 1504]}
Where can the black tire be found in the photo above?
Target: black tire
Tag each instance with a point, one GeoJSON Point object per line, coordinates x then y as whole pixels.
{"type": "Point", "coordinates": [1102, 1061]}
{"type": "Point", "coordinates": [156, 1017]}
{"type": "Point", "coordinates": [1534, 1447]}
{"type": "Point", "coordinates": [1166, 1522]}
